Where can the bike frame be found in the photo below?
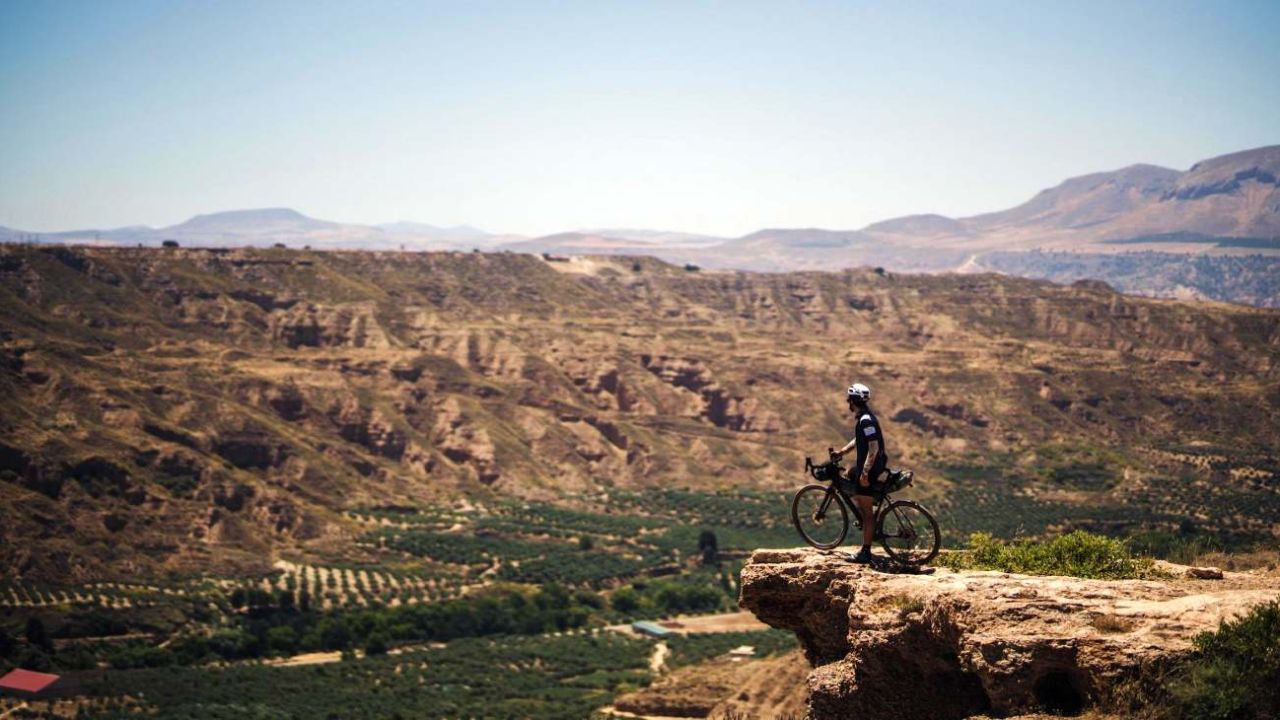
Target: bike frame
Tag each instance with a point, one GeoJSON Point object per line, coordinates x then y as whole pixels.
{"type": "Point", "coordinates": [882, 501]}
{"type": "Point", "coordinates": [876, 507]}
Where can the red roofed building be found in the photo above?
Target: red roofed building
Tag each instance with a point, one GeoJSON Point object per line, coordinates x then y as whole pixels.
{"type": "Point", "coordinates": [26, 683]}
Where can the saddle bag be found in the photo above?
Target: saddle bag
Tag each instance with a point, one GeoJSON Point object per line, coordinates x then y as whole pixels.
{"type": "Point", "coordinates": [895, 480]}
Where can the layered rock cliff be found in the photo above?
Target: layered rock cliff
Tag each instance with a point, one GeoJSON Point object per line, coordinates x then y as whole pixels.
{"type": "Point", "coordinates": [957, 644]}
{"type": "Point", "coordinates": [183, 410]}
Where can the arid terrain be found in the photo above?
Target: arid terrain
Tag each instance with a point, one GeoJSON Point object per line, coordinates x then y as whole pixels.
{"type": "Point", "coordinates": [248, 469]}
{"type": "Point", "coordinates": [175, 411]}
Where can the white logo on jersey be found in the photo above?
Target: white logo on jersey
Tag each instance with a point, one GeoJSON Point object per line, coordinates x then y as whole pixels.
{"type": "Point", "coordinates": [869, 430]}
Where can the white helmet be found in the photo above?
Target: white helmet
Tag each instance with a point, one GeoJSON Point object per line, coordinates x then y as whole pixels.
{"type": "Point", "coordinates": [859, 392]}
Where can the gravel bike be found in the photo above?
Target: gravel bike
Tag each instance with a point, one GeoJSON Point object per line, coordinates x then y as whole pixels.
{"type": "Point", "coordinates": [904, 528]}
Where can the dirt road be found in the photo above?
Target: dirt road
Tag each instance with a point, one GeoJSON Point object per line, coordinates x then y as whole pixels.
{"type": "Point", "coordinates": [659, 658]}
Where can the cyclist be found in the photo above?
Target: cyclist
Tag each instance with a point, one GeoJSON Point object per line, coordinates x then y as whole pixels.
{"type": "Point", "coordinates": [870, 465]}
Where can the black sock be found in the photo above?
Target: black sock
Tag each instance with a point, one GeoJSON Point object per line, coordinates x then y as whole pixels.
{"type": "Point", "coordinates": [866, 548]}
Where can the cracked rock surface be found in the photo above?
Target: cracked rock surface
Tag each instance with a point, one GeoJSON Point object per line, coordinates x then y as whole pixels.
{"type": "Point", "coordinates": [955, 644]}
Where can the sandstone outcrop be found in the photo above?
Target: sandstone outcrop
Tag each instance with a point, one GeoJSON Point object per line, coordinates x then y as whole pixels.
{"type": "Point", "coordinates": [956, 644]}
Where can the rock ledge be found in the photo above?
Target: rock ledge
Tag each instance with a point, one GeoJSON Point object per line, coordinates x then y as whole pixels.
{"type": "Point", "coordinates": [955, 644]}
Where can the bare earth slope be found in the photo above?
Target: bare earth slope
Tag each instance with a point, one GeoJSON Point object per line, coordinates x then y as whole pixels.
{"type": "Point", "coordinates": [725, 687]}
{"type": "Point", "coordinates": [189, 410]}
{"type": "Point", "coordinates": [957, 644]}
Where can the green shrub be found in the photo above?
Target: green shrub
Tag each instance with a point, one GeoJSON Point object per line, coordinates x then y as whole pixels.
{"type": "Point", "coordinates": [1077, 554]}
{"type": "Point", "coordinates": [139, 656]}
{"type": "Point", "coordinates": [1235, 673]}
{"type": "Point", "coordinates": [625, 600]}
{"type": "Point", "coordinates": [377, 644]}
{"type": "Point", "coordinates": [282, 639]}
{"type": "Point", "coordinates": [1174, 547]}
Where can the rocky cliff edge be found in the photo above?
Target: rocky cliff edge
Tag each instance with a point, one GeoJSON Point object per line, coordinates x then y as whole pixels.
{"type": "Point", "coordinates": [947, 644]}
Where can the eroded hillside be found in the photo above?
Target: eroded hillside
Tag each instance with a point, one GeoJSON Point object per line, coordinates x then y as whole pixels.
{"type": "Point", "coordinates": [184, 409]}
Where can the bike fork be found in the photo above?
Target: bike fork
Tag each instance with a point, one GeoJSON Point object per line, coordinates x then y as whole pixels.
{"type": "Point", "coordinates": [826, 504]}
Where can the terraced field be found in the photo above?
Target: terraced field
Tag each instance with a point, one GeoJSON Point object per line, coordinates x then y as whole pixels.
{"type": "Point", "coordinates": [633, 534]}
{"type": "Point", "coordinates": [17, 593]}
{"type": "Point", "coordinates": [1236, 501]}
{"type": "Point", "coordinates": [433, 574]}
{"type": "Point", "coordinates": [553, 676]}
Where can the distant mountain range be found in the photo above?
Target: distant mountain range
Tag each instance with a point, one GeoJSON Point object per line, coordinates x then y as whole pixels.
{"type": "Point", "coordinates": [1227, 206]}
{"type": "Point", "coordinates": [268, 226]}
{"type": "Point", "coordinates": [1235, 195]}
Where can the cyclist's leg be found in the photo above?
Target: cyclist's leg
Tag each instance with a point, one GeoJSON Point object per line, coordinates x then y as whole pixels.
{"type": "Point", "coordinates": [865, 503]}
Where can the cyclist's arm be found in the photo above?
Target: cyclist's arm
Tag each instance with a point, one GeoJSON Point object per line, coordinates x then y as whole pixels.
{"type": "Point", "coordinates": [873, 451]}
{"type": "Point", "coordinates": [848, 446]}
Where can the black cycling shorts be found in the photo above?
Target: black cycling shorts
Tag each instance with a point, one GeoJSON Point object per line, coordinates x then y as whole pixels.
{"type": "Point", "coordinates": [874, 489]}
{"type": "Point", "coordinates": [874, 486]}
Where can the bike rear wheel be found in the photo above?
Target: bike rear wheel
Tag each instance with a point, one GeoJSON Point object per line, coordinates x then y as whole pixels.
{"type": "Point", "coordinates": [820, 516]}
{"type": "Point", "coordinates": [909, 533]}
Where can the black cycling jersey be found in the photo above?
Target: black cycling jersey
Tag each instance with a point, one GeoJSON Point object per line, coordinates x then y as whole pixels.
{"type": "Point", "coordinates": [865, 430]}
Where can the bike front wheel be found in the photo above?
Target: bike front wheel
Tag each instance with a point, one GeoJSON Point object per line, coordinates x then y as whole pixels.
{"type": "Point", "coordinates": [909, 533]}
{"type": "Point", "coordinates": [820, 516]}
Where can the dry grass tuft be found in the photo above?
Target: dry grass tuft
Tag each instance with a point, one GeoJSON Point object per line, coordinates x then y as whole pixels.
{"type": "Point", "coordinates": [1113, 624]}
{"type": "Point", "coordinates": [905, 604]}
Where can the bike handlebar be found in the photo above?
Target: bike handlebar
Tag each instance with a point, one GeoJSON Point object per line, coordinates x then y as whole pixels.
{"type": "Point", "coordinates": [812, 468]}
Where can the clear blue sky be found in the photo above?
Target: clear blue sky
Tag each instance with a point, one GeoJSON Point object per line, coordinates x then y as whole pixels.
{"type": "Point", "coordinates": [533, 117]}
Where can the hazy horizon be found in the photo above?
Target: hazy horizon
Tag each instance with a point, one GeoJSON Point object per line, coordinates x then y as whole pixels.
{"type": "Point", "coordinates": [531, 120]}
